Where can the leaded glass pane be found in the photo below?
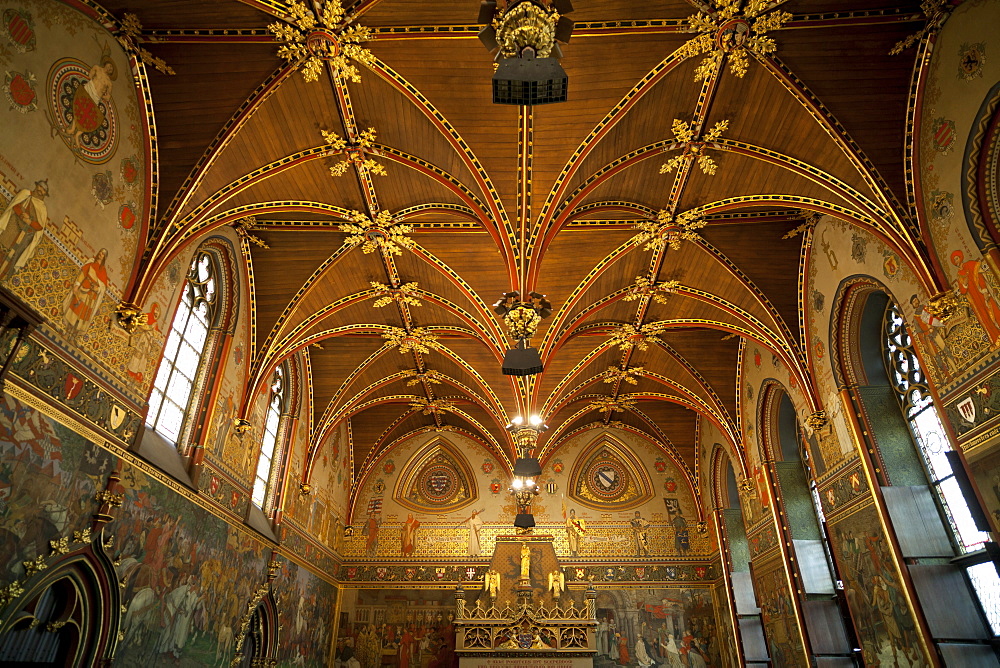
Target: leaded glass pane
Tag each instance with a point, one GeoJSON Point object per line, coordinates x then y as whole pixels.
{"type": "Point", "coordinates": [986, 582]}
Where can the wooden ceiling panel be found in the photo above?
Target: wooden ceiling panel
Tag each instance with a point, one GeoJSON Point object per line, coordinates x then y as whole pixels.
{"type": "Point", "coordinates": [455, 76]}
{"type": "Point", "coordinates": [597, 366]}
{"type": "Point", "coordinates": [473, 256]}
{"type": "Point", "coordinates": [770, 262]}
{"type": "Point", "coordinates": [331, 364]}
{"type": "Point", "coordinates": [593, 91]}
{"type": "Point", "coordinates": [194, 104]}
{"type": "Point", "coordinates": [714, 358]}
{"type": "Point", "coordinates": [694, 267]}
{"type": "Point", "coordinates": [289, 121]}
{"type": "Point", "coordinates": [303, 183]}
{"type": "Point", "coordinates": [570, 258]}
{"type": "Point", "coordinates": [649, 119]}
{"type": "Point", "coordinates": [191, 14]}
{"type": "Point", "coordinates": [401, 125]}
{"type": "Point", "coordinates": [740, 176]}
{"type": "Point", "coordinates": [763, 113]}
{"type": "Point", "coordinates": [864, 87]}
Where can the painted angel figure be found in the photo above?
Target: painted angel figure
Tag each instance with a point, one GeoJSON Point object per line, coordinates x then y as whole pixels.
{"type": "Point", "coordinates": [557, 583]}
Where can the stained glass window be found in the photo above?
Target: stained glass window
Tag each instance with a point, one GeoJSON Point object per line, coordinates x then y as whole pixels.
{"type": "Point", "coordinates": [270, 440]}
{"type": "Point", "coordinates": [168, 403]}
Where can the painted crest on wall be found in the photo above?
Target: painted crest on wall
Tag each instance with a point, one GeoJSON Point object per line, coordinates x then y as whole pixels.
{"type": "Point", "coordinates": [437, 479]}
{"type": "Point", "coordinates": [81, 107]}
{"type": "Point", "coordinates": [607, 475]}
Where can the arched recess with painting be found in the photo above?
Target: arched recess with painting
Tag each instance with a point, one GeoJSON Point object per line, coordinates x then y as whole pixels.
{"type": "Point", "coordinates": [831, 635]}
{"type": "Point", "coordinates": [257, 643]}
{"type": "Point", "coordinates": [736, 560]}
{"type": "Point", "coordinates": [912, 558]}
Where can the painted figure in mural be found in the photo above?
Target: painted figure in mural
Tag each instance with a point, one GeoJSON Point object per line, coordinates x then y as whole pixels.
{"type": "Point", "coordinates": [977, 287]}
{"type": "Point", "coordinates": [602, 636]}
{"type": "Point", "coordinates": [640, 532]}
{"type": "Point", "coordinates": [475, 523]}
{"type": "Point", "coordinates": [623, 655]}
{"type": "Point", "coordinates": [179, 606]}
{"type": "Point", "coordinates": [86, 293]}
{"type": "Point", "coordinates": [642, 654]}
{"type": "Point", "coordinates": [28, 214]}
{"type": "Point", "coordinates": [576, 528]}
{"type": "Point", "coordinates": [371, 531]}
{"type": "Point", "coordinates": [88, 99]}
{"type": "Point", "coordinates": [408, 535]}
{"type": "Point", "coordinates": [145, 346]}
{"type": "Point", "coordinates": [930, 329]}
{"type": "Point", "coordinates": [681, 540]}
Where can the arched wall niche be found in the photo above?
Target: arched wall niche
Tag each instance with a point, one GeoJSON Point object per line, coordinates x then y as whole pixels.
{"type": "Point", "coordinates": [66, 614]}
{"type": "Point", "coordinates": [981, 177]}
{"type": "Point", "coordinates": [855, 321]}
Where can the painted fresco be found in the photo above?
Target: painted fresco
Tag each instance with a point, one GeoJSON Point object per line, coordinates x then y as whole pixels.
{"type": "Point", "coordinates": [72, 210]}
{"type": "Point", "coordinates": [188, 574]}
{"type": "Point", "coordinates": [408, 628]}
{"type": "Point", "coordinates": [666, 523]}
{"type": "Point", "coordinates": [306, 607]}
{"type": "Point", "coordinates": [48, 475]}
{"type": "Point", "coordinates": [886, 629]}
{"type": "Point", "coordinates": [958, 100]}
{"type": "Point", "coordinates": [777, 612]}
{"type": "Point", "coordinates": [665, 627]}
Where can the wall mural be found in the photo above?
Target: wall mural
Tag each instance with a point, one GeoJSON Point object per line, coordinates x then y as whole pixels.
{"type": "Point", "coordinates": [404, 628]}
{"type": "Point", "coordinates": [777, 611]}
{"type": "Point", "coordinates": [388, 524]}
{"type": "Point", "coordinates": [882, 618]}
{"type": "Point", "coordinates": [188, 575]}
{"type": "Point", "coordinates": [656, 626]}
{"type": "Point", "coordinates": [305, 614]}
{"type": "Point", "coordinates": [72, 209]}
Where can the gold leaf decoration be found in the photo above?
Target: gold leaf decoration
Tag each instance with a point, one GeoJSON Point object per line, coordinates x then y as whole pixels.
{"type": "Point", "coordinates": [402, 294]}
{"type": "Point", "coordinates": [416, 340]}
{"type": "Point", "coordinates": [613, 404]}
{"type": "Point", "coordinates": [432, 406]}
{"type": "Point", "coordinates": [627, 374]}
{"type": "Point", "coordinates": [627, 336]}
{"type": "Point", "coordinates": [60, 546]}
{"type": "Point", "coordinates": [417, 377]}
{"type": "Point", "coordinates": [724, 27]}
{"type": "Point", "coordinates": [694, 150]}
{"type": "Point", "coordinates": [309, 39]}
{"type": "Point", "coordinates": [657, 291]}
{"type": "Point", "coordinates": [130, 37]}
{"type": "Point", "coordinates": [667, 229]}
{"type": "Point", "coordinates": [354, 154]}
{"type": "Point", "coordinates": [383, 233]}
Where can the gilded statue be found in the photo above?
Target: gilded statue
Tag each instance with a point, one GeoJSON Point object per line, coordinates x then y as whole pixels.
{"type": "Point", "coordinates": [525, 561]}
{"type": "Point", "coordinates": [557, 583]}
{"type": "Point", "coordinates": [491, 582]}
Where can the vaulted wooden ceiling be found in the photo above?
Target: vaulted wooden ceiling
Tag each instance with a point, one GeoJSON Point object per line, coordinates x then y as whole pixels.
{"type": "Point", "coordinates": [544, 198]}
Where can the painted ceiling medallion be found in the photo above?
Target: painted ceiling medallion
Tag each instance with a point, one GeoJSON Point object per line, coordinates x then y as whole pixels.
{"type": "Point", "coordinates": [439, 479]}
{"type": "Point", "coordinates": [607, 475]}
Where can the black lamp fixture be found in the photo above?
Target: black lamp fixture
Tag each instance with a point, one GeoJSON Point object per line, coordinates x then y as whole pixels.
{"type": "Point", "coordinates": [526, 469]}
{"type": "Point", "coordinates": [522, 318]}
{"type": "Point", "coordinates": [525, 35]}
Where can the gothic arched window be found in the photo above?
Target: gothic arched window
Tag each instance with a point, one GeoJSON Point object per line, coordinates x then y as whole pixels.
{"type": "Point", "coordinates": [934, 446]}
{"type": "Point", "coordinates": [269, 442]}
{"type": "Point", "coordinates": [186, 342]}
